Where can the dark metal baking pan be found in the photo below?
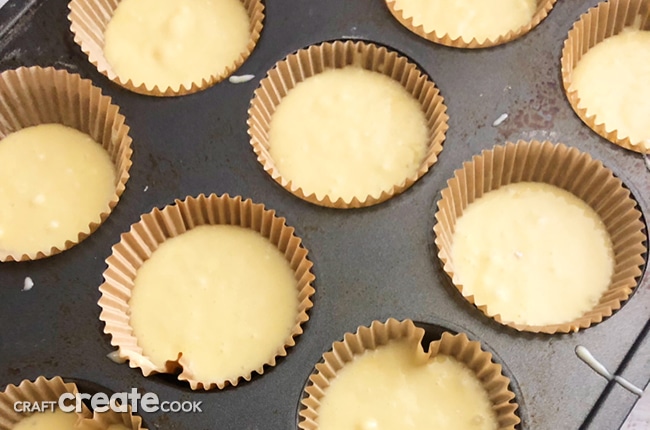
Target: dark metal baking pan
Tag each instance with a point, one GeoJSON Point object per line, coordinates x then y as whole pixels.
{"type": "Point", "coordinates": [370, 263]}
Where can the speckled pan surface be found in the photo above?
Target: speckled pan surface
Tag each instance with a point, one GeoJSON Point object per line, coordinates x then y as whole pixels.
{"type": "Point", "coordinates": [370, 264]}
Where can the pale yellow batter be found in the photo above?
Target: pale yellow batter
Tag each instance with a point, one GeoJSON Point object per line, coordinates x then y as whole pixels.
{"type": "Point", "coordinates": [389, 389]}
{"type": "Point", "coordinates": [173, 42]}
{"type": "Point", "coordinates": [469, 19]}
{"type": "Point", "coordinates": [223, 296]}
{"type": "Point", "coordinates": [117, 427]}
{"type": "Point", "coordinates": [348, 133]}
{"type": "Point", "coordinates": [54, 181]}
{"type": "Point", "coordinates": [57, 420]}
{"type": "Point", "coordinates": [613, 83]}
{"type": "Point", "coordinates": [533, 253]}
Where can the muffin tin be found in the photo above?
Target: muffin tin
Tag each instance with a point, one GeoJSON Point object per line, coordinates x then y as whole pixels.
{"type": "Point", "coordinates": [370, 264]}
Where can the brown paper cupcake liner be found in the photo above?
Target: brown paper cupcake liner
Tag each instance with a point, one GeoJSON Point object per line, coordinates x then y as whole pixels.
{"type": "Point", "coordinates": [31, 96]}
{"type": "Point", "coordinates": [88, 21]}
{"type": "Point", "coordinates": [378, 334]}
{"type": "Point", "coordinates": [40, 390]}
{"type": "Point", "coordinates": [566, 168]}
{"type": "Point", "coordinates": [605, 20]}
{"type": "Point", "coordinates": [101, 421]}
{"type": "Point", "coordinates": [315, 59]}
{"type": "Point", "coordinates": [144, 237]}
{"type": "Point", "coordinates": [543, 9]}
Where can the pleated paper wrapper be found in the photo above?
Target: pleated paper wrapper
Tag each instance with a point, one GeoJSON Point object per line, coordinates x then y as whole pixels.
{"type": "Point", "coordinates": [88, 21]}
{"type": "Point", "coordinates": [30, 96]}
{"type": "Point", "coordinates": [103, 420]}
{"type": "Point", "coordinates": [566, 168]}
{"type": "Point", "coordinates": [144, 237]}
{"type": "Point", "coordinates": [40, 390]}
{"type": "Point", "coordinates": [458, 346]}
{"type": "Point", "coordinates": [315, 59]}
{"type": "Point", "coordinates": [606, 20]}
{"type": "Point", "coordinates": [411, 23]}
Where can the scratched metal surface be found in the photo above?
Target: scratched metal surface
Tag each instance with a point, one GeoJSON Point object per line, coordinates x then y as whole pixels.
{"type": "Point", "coordinates": [370, 264]}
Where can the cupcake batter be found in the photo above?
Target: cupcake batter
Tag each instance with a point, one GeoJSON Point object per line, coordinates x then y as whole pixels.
{"type": "Point", "coordinates": [57, 420]}
{"type": "Point", "coordinates": [613, 83]}
{"type": "Point", "coordinates": [348, 133]}
{"type": "Point", "coordinates": [55, 181]}
{"type": "Point", "coordinates": [469, 19]}
{"type": "Point", "coordinates": [533, 253]}
{"type": "Point", "coordinates": [391, 388]}
{"type": "Point", "coordinates": [172, 42]}
{"type": "Point", "coordinates": [223, 296]}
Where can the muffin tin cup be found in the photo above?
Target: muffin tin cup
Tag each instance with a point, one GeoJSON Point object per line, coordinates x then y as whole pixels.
{"type": "Point", "coordinates": [566, 168]}
{"type": "Point", "coordinates": [40, 390]}
{"type": "Point", "coordinates": [543, 9]}
{"type": "Point", "coordinates": [607, 19]}
{"type": "Point", "coordinates": [88, 21]}
{"type": "Point", "coordinates": [30, 96]}
{"type": "Point", "coordinates": [379, 334]}
{"type": "Point", "coordinates": [144, 237]}
{"type": "Point", "coordinates": [315, 59]}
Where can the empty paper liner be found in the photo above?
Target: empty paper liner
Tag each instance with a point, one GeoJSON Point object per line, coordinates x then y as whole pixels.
{"type": "Point", "coordinates": [88, 22]}
{"type": "Point", "coordinates": [566, 168]}
{"type": "Point", "coordinates": [607, 19]}
{"type": "Point", "coordinates": [31, 96]}
{"type": "Point", "coordinates": [144, 237]}
{"type": "Point", "coordinates": [412, 24]}
{"type": "Point", "coordinates": [459, 347]}
{"type": "Point", "coordinates": [315, 59]}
